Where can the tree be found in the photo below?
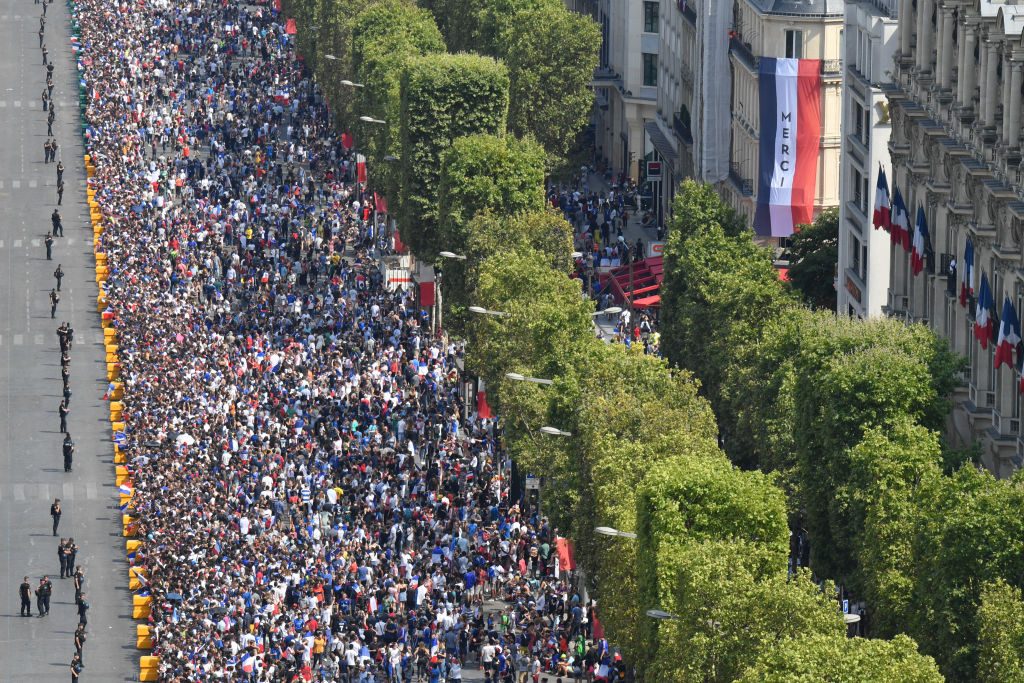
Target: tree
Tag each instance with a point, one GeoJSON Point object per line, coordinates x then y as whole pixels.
{"type": "Point", "coordinates": [481, 172]}
{"type": "Point", "coordinates": [444, 97]}
{"type": "Point", "coordinates": [838, 659]}
{"type": "Point", "coordinates": [698, 205]}
{"type": "Point", "coordinates": [1001, 634]}
{"type": "Point", "coordinates": [551, 55]}
{"type": "Point", "coordinates": [813, 256]}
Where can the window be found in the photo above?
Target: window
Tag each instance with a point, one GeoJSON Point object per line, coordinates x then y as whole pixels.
{"type": "Point", "coordinates": [863, 263]}
{"type": "Point", "coordinates": [650, 17]}
{"type": "Point", "coordinates": [794, 44]}
{"type": "Point", "coordinates": [855, 255]}
{"type": "Point", "coordinates": [858, 121]}
{"type": "Point", "coordinates": [650, 69]}
{"type": "Point", "coordinates": [858, 185]}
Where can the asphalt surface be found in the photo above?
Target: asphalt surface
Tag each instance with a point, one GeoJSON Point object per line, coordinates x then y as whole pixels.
{"type": "Point", "coordinates": [31, 470]}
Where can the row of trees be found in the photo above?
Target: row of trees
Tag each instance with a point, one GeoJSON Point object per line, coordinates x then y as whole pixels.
{"type": "Point", "coordinates": [847, 414]}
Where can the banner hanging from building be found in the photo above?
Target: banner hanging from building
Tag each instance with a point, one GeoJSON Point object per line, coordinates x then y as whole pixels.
{"type": "Point", "coordinates": [790, 92]}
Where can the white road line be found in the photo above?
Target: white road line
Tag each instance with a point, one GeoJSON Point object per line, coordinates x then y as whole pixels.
{"type": "Point", "coordinates": [15, 184]}
{"type": "Point", "coordinates": [36, 243]}
{"type": "Point", "coordinates": [1, 244]}
{"type": "Point", "coordinates": [19, 492]}
{"type": "Point", "coordinates": [3, 103]}
{"type": "Point", "coordinates": [17, 104]}
{"type": "Point", "coordinates": [44, 492]}
{"type": "Point", "coordinates": [18, 339]}
{"type": "Point", "coordinates": [68, 491]}
{"type": "Point", "coordinates": [32, 183]}
{"type": "Point", "coordinates": [17, 244]}
{"type": "Point", "coordinates": [1, 184]}
{"type": "Point", "coordinates": [90, 490]}
{"type": "Point", "coordinates": [38, 341]}
{"type": "Point", "coordinates": [71, 242]}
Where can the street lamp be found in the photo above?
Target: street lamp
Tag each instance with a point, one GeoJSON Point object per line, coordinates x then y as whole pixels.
{"type": "Point", "coordinates": [611, 531]}
{"type": "Point", "coordinates": [611, 310]}
{"type": "Point", "coordinates": [370, 119]}
{"type": "Point", "coordinates": [516, 377]}
{"type": "Point", "coordinates": [390, 158]}
{"type": "Point", "coordinates": [483, 311]}
{"type": "Point", "coordinates": [554, 431]}
{"type": "Point", "coordinates": [351, 84]}
{"type": "Point", "coordinates": [331, 58]}
{"type": "Point", "coordinates": [452, 254]}
{"type": "Point", "coordinates": [661, 615]}
{"type": "Point", "coordinates": [576, 254]}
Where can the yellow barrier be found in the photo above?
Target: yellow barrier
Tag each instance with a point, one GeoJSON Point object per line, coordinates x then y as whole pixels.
{"type": "Point", "coordinates": [132, 545]}
{"type": "Point", "coordinates": [112, 358]}
{"type": "Point", "coordinates": [148, 668]}
{"type": "Point", "coordinates": [119, 456]}
{"type": "Point", "coordinates": [110, 347]}
{"type": "Point", "coordinates": [121, 474]}
{"type": "Point", "coordinates": [141, 606]}
{"type": "Point", "coordinates": [115, 402]}
{"type": "Point", "coordinates": [101, 258]}
{"type": "Point", "coordinates": [128, 524]}
{"type": "Point", "coordinates": [113, 371]}
{"type": "Point", "coordinates": [117, 426]}
{"type": "Point", "coordinates": [116, 416]}
{"type": "Point", "coordinates": [143, 639]}
{"type": "Point", "coordinates": [118, 392]}
{"type": "Point", "coordinates": [101, 303]}
{"type": "Point", "coordinates": [90, 171]}
{"type": "Point", "coordinates": [109, 334]}
{"type": "Point", "coordinates": [136, 577]}
{"type": "Point", "coordinates": [126, 500]}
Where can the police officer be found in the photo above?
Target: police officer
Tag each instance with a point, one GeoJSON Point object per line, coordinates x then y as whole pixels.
{"type": "Point", "coordinates": [62, 557]}
{"type": "Point", "coordinates": [63, 411]}
{"type": "Point", "coordinates": [60, 192]}
{"type": "Point", "coordinates": [48, 242]}
{"type": "Point", "coordinates": [83, 610]}
{"type": "Point", "coordinates": [58, 275]}
{"type": "Point", "coordinates": [58, 225]}
{"type": "Point", "coordinates": [79, 584]}
{"type": "Point", "coordinates": [69, 452]}
{"type": "Point", "coordinates": [80, 643]}
{"type": "Point", "coordinates": [25, 591]}
{"type": "Point", "coordinates": [72, 554]}
{"type": "Point", "coordinates": [43, 591]}
{"type": "Point", "coordinates": [76, 668]}
{"type": "Point", "coordinates": [54, 300]}
{"type": "Point", "coordinates": [55, 513]}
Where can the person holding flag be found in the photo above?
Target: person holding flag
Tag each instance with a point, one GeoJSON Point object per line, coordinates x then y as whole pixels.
{"type": "Point", "coordinates": [920, 244]}
{"type": "Point", "coordinates": [1009, 335]}
{"type": "Point", "coordinates": [883, 207]}
{"type": "Point", "coordinates": [983, 313]}
{"type": "Point", "coordinates": [967, 273]}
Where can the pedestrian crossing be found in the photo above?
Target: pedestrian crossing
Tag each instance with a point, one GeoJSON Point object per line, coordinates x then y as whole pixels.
{"type": "Point", "coordinates": [20, 104]}
{"type": "Point", "coordinates": [37, 242]}
{"type": "Point", "coordinates": [17, 184]}
{"type": "Point", "coordinates": [20, 339]}
{"type": "Point", "coordinates": [68, 490]}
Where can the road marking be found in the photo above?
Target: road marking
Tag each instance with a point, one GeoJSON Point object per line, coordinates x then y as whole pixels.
{"type": "Point", "coordinates": [15, 184]}
{"type": "Point", "coordinates": [90, 490]}
{"type": "Point", "coordinates": [36, 243]}
{"type": "Point", "coordinates": [18, 339]}
{"type": "Point", "coordinates": [44, 492]}
{"type": "Point", "coordinates": [17, 104]}
{"type": "Point", "coordinates": [19, 492]}
{"type": "Point", "coordinates": [38, 341]}
{"type": "Point", "coordinates": [32, 183]}
{"type": "Point", "coordinates": [71, 242]}
{"type": "Point", "coordinates": [17, 244]}
{"type": "Point", "coordinates": [68, 491]}
{"type": "Point", "coordinates": [1, 244]}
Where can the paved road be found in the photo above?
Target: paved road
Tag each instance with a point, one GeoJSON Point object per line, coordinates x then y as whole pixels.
{"type": "Point", "coordinates": [31, 472]}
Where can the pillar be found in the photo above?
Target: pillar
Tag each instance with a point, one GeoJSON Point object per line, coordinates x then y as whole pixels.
{"type": "Point", "coordinates": [1014, 133]}
{"type": "Point", "coordinates": [1004, 124]}
{"type": "Point", "coordinates": [982, 79]}
{"type": "Point", "coordinates": [991, 91]}
{"type": "Point", "coordinates": [968, 77]}
{"type": "Point", "coordinates": [961, 58]}
{"type": "Point", "coordinates": [946, 58]}
{"type": "Point", "coordinates": [906, 26]}
{"type": "Point", "coordinates": [924, 32]}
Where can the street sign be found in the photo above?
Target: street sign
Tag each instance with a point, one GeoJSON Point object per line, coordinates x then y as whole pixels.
{"type": "Point", "coordinates": [532, 483]}
{"type": "Point", "coordinates": [653, 170]}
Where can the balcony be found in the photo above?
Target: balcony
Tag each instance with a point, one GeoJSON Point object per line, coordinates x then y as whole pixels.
{"type": "Point", "coordinates": [744, 185]}
{"type": "Point", "coordinates": [682, 129]}
{"type": "Point", "coordinates": [830, 68]}
{"type": "Point", "coordinates": [688, 12]}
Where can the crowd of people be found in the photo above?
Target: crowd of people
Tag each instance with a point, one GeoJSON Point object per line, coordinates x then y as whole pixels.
{"type": "Point", "coordinates": [315, 501]}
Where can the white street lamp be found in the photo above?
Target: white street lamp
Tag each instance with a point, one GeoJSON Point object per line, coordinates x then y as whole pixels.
{"type": "Point", "coordinates": [661, 614]}
{"type": "Point", "coordinates": [452, 254]}
{"type": "Point", "coordinates": [516, 377]}
{"type": "Point", "coordinates": [370, 119]}
{"type": "Point", "coordinates": [351, 84]}
{"type": "Point", "coordinates": [331, 58]}
{"type": "Point", "coordinates": [611, 310]}
{"type": "Point", "coordinates": [611, 531]}
{"type": "Point", "coordinates": [483, 311]}
{"type": "Point", "coordinates": [554, 431]}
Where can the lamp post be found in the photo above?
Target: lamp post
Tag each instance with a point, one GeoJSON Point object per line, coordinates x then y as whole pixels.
{"type": "Point", "coordinates": [452, 255]}
{"type": "Point", "coordinates": [661, 615]}
{"type": "Point", "coordinates": [480, 310]}
{"type": "Point", "coordinates": [611, 310]}
{"type": "Point", "coordinates": [611, 531]}
{"type": "Point", "coordinates": [516, 377]}
{"type": "Point", "coordinates": [351, 84]}
{"type": "Point", "coordinates": [554, 431]}
{"type": "Point", "coordinates": [369, 119]}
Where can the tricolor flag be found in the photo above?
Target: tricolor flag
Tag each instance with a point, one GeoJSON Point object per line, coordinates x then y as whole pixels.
{"type": "Point", "coordinates": [967, 273]}
{"type": "Point", "coordinates": [347, 141]}
{"type": "Point", "coordinates": [899, 222]}
{"type": "Point", "coordinates": [1020, 383]}
{"type": "Point", "coordinates": [483, 410]}
{"type": "Point", "coordinates": [1009, 335]}
{"type": "Point", "coordinates": [883, 207]}
{"type": "Point", "coordinates": [920, 245]}
{"type": "Point", "coordinates": [249, 663]}
{"type": "Point", "coordinates": [790, 117]}
{"type": "Point", "coordinates": [125, 490]}
{"type": "Point", "coordinates": [983, 313]}
{"type": "Point", "coordinates": [360, 168]}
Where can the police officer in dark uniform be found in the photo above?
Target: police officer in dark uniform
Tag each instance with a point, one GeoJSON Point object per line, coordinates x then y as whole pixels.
{"type": "Point", "coordinates": [79, 584]}
{"type": "Point", "coordinates": [25, 591]}
{"type": "Point", "coordinates": [80, 643]}
{"type": "Point", "coordinates": [72, 554]}
{"type": "Point", "coordinates": [48, 242]}
{"type": "Point", "coordinates": [58, 224]}
{"type": "Point", "coordinates": [69, 452]}
{"type": "Point", "coordinates": [83, 610]}
{"type": "Point", "coordinates": [43, 592]}
{"type": "Point", "coordinates": [65, 375]}
{"type": "Point", "coordinates": [62, 557]}
{"type": "Point", "coordinates": [63, 411]}
{"type": "Point", "coordinates": [55, 513]}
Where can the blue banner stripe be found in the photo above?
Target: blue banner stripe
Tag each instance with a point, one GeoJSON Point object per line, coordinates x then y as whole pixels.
{"type": "Point", "coordinates": [766, 160]}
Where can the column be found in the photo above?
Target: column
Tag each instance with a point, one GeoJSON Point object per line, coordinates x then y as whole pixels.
{"type": "Point", "coordinates": [991, 90]}
{"type": "Point", "coordinates": [906, 26]}
{"type": "Point", "coordinates": [968, 77]}
{"type": "Point", "coordinates": [946, 59]}
{"type": "Point", "coordinates": [924, 32]}
{"type": "Point", "coordinates": [982, 78]}
{"type": "Point", "coordinates": [961, 57]}
{"type": "Point", "coordinates": [1014, 133]}
{"type": "Point", "coordinates": [1004, 125]}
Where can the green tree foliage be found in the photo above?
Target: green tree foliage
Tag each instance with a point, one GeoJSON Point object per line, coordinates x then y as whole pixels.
{"type": "Point", "coordinates": [444, 97]}
{"type": "Point", "coordinates": [551, 55]}
{"type": "Point", "coordinates": [813, 257]}
{"type": "Point", "coordinates": [481, 172]}
{"type": "Point", "coordinates": [837, 659]}
{"type": "Point", "coordinates": [697, 205]}
{"type": "Point", "coordinates": [384, 36]}
{"type": "Point", "coordinates": [1001, 634]}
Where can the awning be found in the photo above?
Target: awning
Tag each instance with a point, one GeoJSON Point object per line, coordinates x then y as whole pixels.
{"type": "Point", "coordinates": [661, 144]}
{"type": "Point", "coordinates": [648, 301]}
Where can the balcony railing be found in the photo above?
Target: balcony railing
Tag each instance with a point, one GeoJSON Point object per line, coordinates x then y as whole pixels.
{"type": "Point", "coordinates": [682, 129]}
{"type": "Point", "coordinates": [745, 186]}
{"type": "Point", "coordinates": [829, 67]}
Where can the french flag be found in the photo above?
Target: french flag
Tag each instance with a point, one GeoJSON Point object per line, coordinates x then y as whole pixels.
{"type": "Point", "coordinates": [1009, 335]}
{"type": "Point", "coordinates": [899, 224]}
{"type": "Point", "coordinates": [967, 273]}
{"type": "Point", "coordinates": [883, 206]}
{"type": "Point", "coordinates": [125, 490]}
{"type": "Point", "coordinates": [790, 118]}
{"type": "Point", "coordinates": [920, 245]}
{"type": "Point", "coordinates": [249, 663]}
{"type": "Point", "coordinates": [360, 168]}
{"type": "Point", "coordinates": [983, 313]}
{"type": "Point", "coordinates": [483, 410]}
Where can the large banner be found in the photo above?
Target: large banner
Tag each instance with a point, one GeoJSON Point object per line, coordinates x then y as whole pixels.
{"type": "Point", "coordinates": [790, 133]}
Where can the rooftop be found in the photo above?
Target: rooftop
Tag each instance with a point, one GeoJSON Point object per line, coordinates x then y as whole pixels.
{"type": "Point", "coordinates": [801, 8]}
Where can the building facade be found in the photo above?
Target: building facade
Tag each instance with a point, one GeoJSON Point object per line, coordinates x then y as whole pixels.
{"type": "Point", "coordinates": [626, 81]}
{"type": "Point", "coordinates": [869, 41]}
{"type": "Point", "coordinates": [955, 104]}
{"type": "Point", "coordinates": [804, 29]}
